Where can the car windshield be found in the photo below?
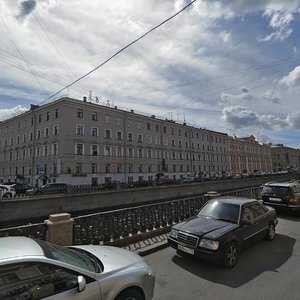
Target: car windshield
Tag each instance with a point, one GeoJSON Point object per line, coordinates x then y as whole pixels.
{"type": "Point", "coordinates": [221, 211]}
{"type": "Point", "coordinates": [76, 257]}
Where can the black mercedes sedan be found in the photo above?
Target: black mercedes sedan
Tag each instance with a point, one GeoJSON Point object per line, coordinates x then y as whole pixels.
{"type": "Point", "coordinates": [223, 227]}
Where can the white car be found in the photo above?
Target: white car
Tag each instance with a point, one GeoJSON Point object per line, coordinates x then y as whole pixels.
{"type": "Point", "coordinates": [34, 269]}
{"type": "Point", "coordinates": [8, 191]}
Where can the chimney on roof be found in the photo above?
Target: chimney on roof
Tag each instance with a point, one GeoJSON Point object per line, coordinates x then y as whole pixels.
{"type": "Point", "coordinates": [84, 99]}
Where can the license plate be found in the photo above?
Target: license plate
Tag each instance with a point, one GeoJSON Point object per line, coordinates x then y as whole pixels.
{"type": "Point", "coordinates": [186, 249]}
{"type": "Point", "coordinates": [275, 199]}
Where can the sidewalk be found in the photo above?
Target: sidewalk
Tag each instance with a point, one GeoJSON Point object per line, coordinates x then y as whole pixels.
{"type": "Point", "coordinates": [148, 246]}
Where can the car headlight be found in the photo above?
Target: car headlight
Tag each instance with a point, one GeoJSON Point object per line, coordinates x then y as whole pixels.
{"type": "Point", "coordinates": [209, 244]}
{"type": "Point", "coordinates": [174, 233]}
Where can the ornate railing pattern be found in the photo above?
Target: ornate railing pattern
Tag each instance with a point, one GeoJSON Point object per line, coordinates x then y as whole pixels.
{"type": "Point", "coordinates": [37, 231]}
{"type": "Point", "coordinates": [112, 225]}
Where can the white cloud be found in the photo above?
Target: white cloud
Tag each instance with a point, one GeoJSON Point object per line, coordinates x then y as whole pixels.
{"type": "Point", "coordinates": [292, 80]}
{"type": "Point", "coordinates": [6, 113]}
{"type": "Point", "coordinates": [241, 117]}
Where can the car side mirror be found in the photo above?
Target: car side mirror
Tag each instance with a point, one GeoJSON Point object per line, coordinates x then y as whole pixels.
{"type": "Point", "coordinates": [81, 283]}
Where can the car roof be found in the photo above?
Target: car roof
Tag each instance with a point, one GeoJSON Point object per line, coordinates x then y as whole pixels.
{"type": "Point", "coordinates": [234, 200]}
{"type": "Point", "coordinates": [17, 246]}
{"type": "Point", "coordinates": [282, 184]}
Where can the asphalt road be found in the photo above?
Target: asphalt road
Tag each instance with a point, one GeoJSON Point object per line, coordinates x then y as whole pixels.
{"type": "Point", "coordinates": [267, 270]}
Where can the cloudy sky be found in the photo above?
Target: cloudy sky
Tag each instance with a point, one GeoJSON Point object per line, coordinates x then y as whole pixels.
{"type": "Point", "coordinates": [230, 66]}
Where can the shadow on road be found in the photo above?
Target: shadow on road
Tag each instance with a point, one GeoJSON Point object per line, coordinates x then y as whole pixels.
{"type": "Point", "coordinates": [261, 257]}
{"type": "Point", "coordinates": [288, 216]}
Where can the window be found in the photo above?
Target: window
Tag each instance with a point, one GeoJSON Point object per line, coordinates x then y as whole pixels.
{"type": "Point", "coordinates": [140, 138]}
{"type": "Point", "coordinates": [79, 130]}
{"type": "Point", "coordinates": [149, 139]}
{"type": "Point", "coordinates": [79, 149]}
{"type": "Point", "coordinates": [94, 116]}
{"type": "Point", "coordinates": [40, 118]}
{"type": "Point", "coordinates": [140, 153]}
{"type": "Point", "coordinates": [55, 130]}
{"type": "Point", "coordinates": [54, 149]}
{"type": "Point", "coordinates": [119, 135]}
{"type": "Point", "coordinates": [107, 150]}
{"type": "Point", "coordinates": [30, 280]}
{"type": "Point", "coordinates": [148, 126]}
{"type": "Point", "coordinates": [94, 131]}
{"type": "Point", "coordinates": [107, 168]}
{"type": "Point", "coordinates": [78, 168]}
{"type": "Point", "coordinates": [94, 168]}
{"type": "Point", "coordinates": [149, 153]}
{"type": "Point", "coordinates": [80, 113]}
{"type": "Point", "coordinates": [45, 150]}
{"type": "Point", "coordinates": [130, 136]}
{"type": "Point", "coordinates": [39, 134]}
{"type": "Point", "coordinates": [157, 140]}
{"type": "Point", "coordinates": [156, 128]}
{"type": "Point", "coordinates": [94, 150]}
{"type": "Point", "coordinates": [56, 113]}
{"type": "Point", "coordinates": [107, 119]}
{"type": "Point", "coordinates": [130, 152]}
{"type": "Point", "coordinates": [46, 132]}
{"type": "Point", "coordinates": [107, 134]}
{"type": "Point", "coordinates": [119, 151]}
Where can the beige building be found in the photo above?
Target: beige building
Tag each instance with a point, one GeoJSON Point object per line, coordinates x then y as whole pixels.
{"type": "Point", "coordinates": [79, 142]}
{"type": "Point", "coordinates": [248, 156]}
{"type": "Point", "coordinates": [285, 158]}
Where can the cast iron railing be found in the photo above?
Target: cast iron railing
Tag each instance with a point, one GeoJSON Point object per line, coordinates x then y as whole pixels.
{"type": "Point", "coordinates": [37, 231]}
{"type": "Point", "coordinates": [112, 225]}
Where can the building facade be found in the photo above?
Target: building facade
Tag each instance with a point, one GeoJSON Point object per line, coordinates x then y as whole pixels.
{"type": "Point", "coordinates": [248, 156]}
{"type": "Point", "coordinates": [79, 142]}
{"type": "Point", "coordinates": [285, 158]}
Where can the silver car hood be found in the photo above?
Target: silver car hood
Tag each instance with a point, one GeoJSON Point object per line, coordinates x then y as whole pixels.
{"type": "Point", "coordinates": [114, 259]}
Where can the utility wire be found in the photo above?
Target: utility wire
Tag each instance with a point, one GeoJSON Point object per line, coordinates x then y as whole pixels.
{"type": "Point", "coordinates": [21, 55]}
{"type": "Point", "coordinates": [121, 50]}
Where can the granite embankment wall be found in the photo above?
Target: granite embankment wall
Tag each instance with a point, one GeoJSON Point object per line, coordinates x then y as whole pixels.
{"type": "Point", "coordinates": [40, 206]}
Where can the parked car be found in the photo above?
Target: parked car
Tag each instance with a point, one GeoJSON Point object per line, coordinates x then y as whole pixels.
{"type": "Point", "coordinates": [282, 195]}
{"type": "Point", "coordinates": [49, 188]}
{"type": "Point", "coordinates": [7, 191]}
{"type": "Point", "coordinates": [140, 183]}
{"type": "Point", "coordinates": [19, 187]}
{"type": "Point", "coordinates": [89, 272]}
{"type": "Point", "coordinates": [223, 227]}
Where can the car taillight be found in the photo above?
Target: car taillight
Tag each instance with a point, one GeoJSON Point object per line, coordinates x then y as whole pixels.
{"type": "Point", "coordinates": [293, 200]}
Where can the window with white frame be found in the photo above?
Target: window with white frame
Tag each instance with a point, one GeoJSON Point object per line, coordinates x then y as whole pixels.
{"type": "Point", "coordinates": [55, 130]}
{"type": "Point", "coordinates": [157, 140]}
{"type": "Point", "coordinates": [149, 153]}
{"type": "Point", "coordinates": [79, 149]}
{"type": "Point", "coordinates": [107, 150]}
{"type": "Point", "coordinates": [130, 152]}
{"type": "Point", "coordinates": [107, 119]}
{"type": "Point", "coordinates": [140, 138]}
{"type": "Point", "coordinates": [149, 139]}
{"type": "Point", "coordinates": [94, 131]}
{"type": "Point", "coordinates": [80, 130]}
{"type": "Point", "coordinates": [46, 132]}
{"type": "Point", "coordinates": [54, 149]}
{"type": "Point", "coordinates": [130, 136]}
{"type": "Point", "coordinates": [119, 151]}
{"type": "Point", "coordinates": [94, 150]}
{"type": "Point", "coordinates": [140, 153]}
{"type": "Point", "coordinates": [119, 135]}
{"type": "Point", "coordinates": [107, 134]}
{"type": "Point", "coordinates": [165, 142]}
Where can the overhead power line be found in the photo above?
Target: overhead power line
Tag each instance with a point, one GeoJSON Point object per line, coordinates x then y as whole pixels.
{"type": "Point", "coordinates": [121, 50]}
